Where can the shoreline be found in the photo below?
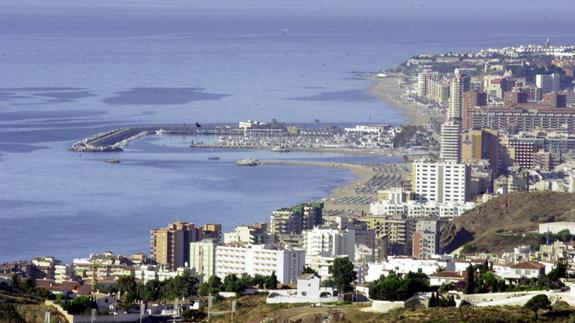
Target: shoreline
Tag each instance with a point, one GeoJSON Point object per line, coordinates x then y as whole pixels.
{"type": "Point", "coordinates": [387, 152]}
{"type": "Point", "coordinates": [362, 175]}
{"type": "Point", "coordinates": [389, 90]}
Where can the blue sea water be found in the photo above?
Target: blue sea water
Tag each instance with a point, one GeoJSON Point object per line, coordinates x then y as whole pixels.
{"type": "Point", "coordinates": [69, 69]}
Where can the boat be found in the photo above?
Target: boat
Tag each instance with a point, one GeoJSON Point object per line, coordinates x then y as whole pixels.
{"type": "Point", "coordinates": [113, 161]}
{"type": "Point", "coordinates": [280, 149]}
{"type": "Point", "coordinates": [247, 162]}
{"type": "Point", "coordinates": [213, 158]}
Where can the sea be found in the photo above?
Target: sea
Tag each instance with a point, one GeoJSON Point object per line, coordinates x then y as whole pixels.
{"type": "Point", "coordinates": [70, 69]}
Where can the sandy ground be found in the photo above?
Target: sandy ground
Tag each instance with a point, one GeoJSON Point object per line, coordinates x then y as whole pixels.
{"type": "Point", "coordinates": [389, 90]}
{"type": "Point", "coordinates": [354, 197]}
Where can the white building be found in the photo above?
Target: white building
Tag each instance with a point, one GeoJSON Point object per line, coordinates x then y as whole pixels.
{"type": "Point", "coordinates": [404, 264]}
{"type": "Point", "coordinates": [417, 209]}
{"type": "Point", "coordinates": [422, 79]}
{"type": "Point", "coordinates": [445, 277]}
{"type": "Point", "coordinates": [242, 233]}
{"type": "Point", "coordinates": [309, 290]}
{"type": "Point", "coordinates": [425, 238]}
{"type": "Point", "coordinates": [554, 227]}
{"type": "Point", "coordinates": [256, 259]}
{"type": "Point", "coordinates": [450, 148]}
{"type": "Point", "coordinates": [329, 242]}
{"type": "Point", "coordinates": [62, 272]}
{"type": "Point", "coordinates": [548, 82]}
{"type": "Point", "coordinates": [203, 258]}
{"type": "Point", "coordinates": [441, 182]}
{"type": "Point", "coordinates": [528, 269]}
{"type": "Point", "coordinates": [459, 84]}
{"type": "Point", "coordinates": [321, 264]}
{"type": "Point", "coordinates": [145, 273]}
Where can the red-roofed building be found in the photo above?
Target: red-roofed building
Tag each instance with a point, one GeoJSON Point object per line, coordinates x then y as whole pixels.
{"type": "Point", "coordinates": [527, 269]}
{"type": "Point", "coordinates": [445, 277]}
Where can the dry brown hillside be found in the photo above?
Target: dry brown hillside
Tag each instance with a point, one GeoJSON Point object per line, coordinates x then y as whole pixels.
{"type": "Point", "coordinates": [498, 224]}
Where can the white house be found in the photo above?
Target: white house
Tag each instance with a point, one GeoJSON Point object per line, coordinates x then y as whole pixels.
{"type": "Point", "coordinates": [404, 264]}
{"type": "Point", "coordinates": [445, 277]}
{"type": "Point", "coordinates": [309, 290]}
{"type": "Point", "coordinates": [527, 269]}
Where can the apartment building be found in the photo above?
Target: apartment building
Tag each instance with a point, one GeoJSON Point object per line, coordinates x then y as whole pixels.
{"type": "Point", "coordinates": [329, 242]}
{"type": "Point", "coordinates": [450, 141]}
{"type": "Point", "coordinates": [395, 228]}
{"type": "Point", "coordinates": [203, 258]}
{"type": "Point", "coordinates": [548, 82]}
{"type": "Point", "coordinates": [442, 182]}
{"type": "Point", "coordinates": [170, 246]}
{"type": "Point", "coordinates": [425, 241]}
{"type": "Point", "coordinates": [459, 84]}
{"type": "Point", "coordinates": [257, 259]}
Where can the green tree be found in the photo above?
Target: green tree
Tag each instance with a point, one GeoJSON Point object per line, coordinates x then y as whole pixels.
{"type": "Point", "coordinates": [152, 291]}
{"type": "Point", "coordinates": [490, 283]}
{"type": "Point", "coordinates": [343, 274]}
{"type": "Point", "coordinates": [308, 270]}
{"type": "Point", "coordinates": [9, 313]}
{"type": "Point", "coordinates": [397, 288]}
{"type": "Point", "coordinates": [78, 305]}
{"type": "Point", "coordinates": [538, 302]}
{"type": "Point", "coordinates": [563, 235]}
{"type": "Point", "coordinates": [129, 289]}
{"type": "Point", "coordinates": [432, 301]}
{"type": "Point", "coordinates": [259, 281]}
{"type": "Point", "coordinates": [186, 285]}
{"type": "Point", "coordinates": [213, 286]}
{"type": "Point", "coordinates": [193, 316]}
{"type": "Point", "coordinates": [272, 281]}
{"type": "Point", "coordinates": [560, 270]}
{"type": "Point", "coordinates": [470, 280]}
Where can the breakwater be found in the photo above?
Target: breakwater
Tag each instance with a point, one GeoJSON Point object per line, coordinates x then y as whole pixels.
{"type": "Point", "coordinates": [116, 139]}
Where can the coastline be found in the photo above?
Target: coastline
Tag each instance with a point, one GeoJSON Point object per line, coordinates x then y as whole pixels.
{"type": "Point", "coordinates": [390, 90]}
{"type": "Point", "coordinates": [362, 173]}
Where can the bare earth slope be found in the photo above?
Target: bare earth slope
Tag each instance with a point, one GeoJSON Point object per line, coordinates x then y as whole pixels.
{"type": "Point", "coordinates": [498, 224]}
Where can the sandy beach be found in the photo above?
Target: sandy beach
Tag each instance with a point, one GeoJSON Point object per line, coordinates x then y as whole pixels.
{"type": "Point", "coordinates": [353, 198]}
{"type": "Point", "coordinates": [389, 90]}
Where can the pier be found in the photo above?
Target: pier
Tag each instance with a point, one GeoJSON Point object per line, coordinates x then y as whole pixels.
{"type": "Point", "coordinates": [116, 139]}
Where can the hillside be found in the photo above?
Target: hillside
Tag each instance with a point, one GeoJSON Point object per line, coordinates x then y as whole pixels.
{"type": "Point", "coordinates": [16, 307]}
{"type": "Point", "coordinates": [498, 224]}
{"type": "Point", "coordinates": [254, 309]}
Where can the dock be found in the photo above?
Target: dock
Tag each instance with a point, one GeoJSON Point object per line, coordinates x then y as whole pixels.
{"type": "Point", "coordinates": [116, 139]}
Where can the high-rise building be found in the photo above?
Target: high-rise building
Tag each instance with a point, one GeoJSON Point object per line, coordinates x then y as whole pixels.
{"type": "Point", "coordinates": [256, 259]}
{"type": "Point", "coordinates": [248, 234]}
{"type": "Point", "coordinates": [481, 144]}
{"type": "Point", "coordinates": [548, 82]}
{"type": "Point", "coordinates": [442, 182]}
{"type": "Point", "coordinates": [425, 241]}
{"type": "Point", "coordinates": [312, 214]}
{"type": "Point", "coordinates": [295, 219]}
{"type": "Point", "coordinates": [459, 84]}
{"type": "Point", "coordinates": [543, 160]}
{"type": "Point", "coordinates": [524, 119]}
{"type": "Point", "coordinates": [555, 100]}
{"type": "Point", "coordinates": [521, 152]}
{"type": "Point", "coordinates": [422, 80]}
{"type": "Point", "coordinates": [393, 228]}
{"type": "Point", "coordinates": [438, 91]}
{"type": "Point", "coordinates": [203, 257]}
{"type": "Point", "coordinates": [170, 246]}
{"type": "Point", "coordinates": [450, 141]}
{"type": "Point", "coordinates": [515, 97]}
{"type": "Point", "coordinates": [329, 242]}
{"type": "Point", "coordinates": [286, 221]}
{"type": "Point", "coordinates": [471, 99]}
